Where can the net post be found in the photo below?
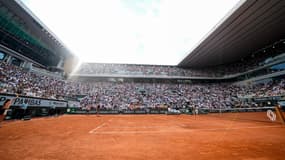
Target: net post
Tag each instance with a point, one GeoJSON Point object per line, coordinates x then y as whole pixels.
{"type": "Point", "coordinates": [280, 114]}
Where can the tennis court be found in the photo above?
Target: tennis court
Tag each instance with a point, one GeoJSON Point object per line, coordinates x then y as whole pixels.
{"type": "Point", "coordinates": [211, 136]}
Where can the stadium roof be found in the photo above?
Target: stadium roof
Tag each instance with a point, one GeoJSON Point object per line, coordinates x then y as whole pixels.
{"type": "Point", "coordinates": [24, 24]}
{"type": "Point", "coordinates": [50, 36]}
{"type": "Point", "coordinates": [250, 26]}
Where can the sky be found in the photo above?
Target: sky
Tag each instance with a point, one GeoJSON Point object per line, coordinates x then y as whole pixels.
{"type": "Point", "coordinates": [130, 31]}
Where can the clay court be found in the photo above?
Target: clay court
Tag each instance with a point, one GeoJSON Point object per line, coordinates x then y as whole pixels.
{"type": "Point", "coordinates": [247, 136]}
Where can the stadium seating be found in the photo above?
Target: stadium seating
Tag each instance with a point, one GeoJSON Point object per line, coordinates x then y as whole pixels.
{"type": "Point", "coordinates": [131, 96]}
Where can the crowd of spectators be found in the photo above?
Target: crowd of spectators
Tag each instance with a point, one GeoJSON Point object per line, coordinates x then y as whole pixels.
{"type": "Point", "coordinates": [14, 79]}
{"type": "Point", "coordinates": [140, 70]}
{"type": "Point", "coordinates": [152, 95]}
{"type": "Point", "coordinates": [127, 95]}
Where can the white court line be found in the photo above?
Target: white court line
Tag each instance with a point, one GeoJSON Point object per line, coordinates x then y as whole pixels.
{"type": "Point", "coordinates": [182, 131]}
{"type": "Point", "coordinates": [101, 125]}
{"type": "Point", "coordinates": [142, 127]}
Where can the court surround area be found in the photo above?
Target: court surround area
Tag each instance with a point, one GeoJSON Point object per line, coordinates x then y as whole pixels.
{"type": "Point", "coordinates": [121, 137]}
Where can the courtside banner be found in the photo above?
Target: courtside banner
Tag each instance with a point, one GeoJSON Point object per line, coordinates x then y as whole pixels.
{"type": "Point", "coordinates": [31, 101]}
{"type": "Point", "coordinates": [73, 104]}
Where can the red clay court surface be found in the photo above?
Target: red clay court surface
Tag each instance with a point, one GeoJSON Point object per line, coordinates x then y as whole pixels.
{"type": "Point", "coordinates": [243, 136]}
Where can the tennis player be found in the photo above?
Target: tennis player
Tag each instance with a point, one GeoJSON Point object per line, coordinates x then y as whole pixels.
{"type": "Point", "coordinates": [4, 109]}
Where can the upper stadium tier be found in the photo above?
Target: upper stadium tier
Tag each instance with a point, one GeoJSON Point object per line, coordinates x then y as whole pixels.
{"type": "Point", "coordinates": [265, 60]}
{"type": "Point", "coordinates": [24, 36]}
{"type": "Point", "coordinates": [251, 25]}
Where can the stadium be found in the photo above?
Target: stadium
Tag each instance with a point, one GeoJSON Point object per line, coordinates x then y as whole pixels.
{"type": "Point", "coordinates": [224, 100]}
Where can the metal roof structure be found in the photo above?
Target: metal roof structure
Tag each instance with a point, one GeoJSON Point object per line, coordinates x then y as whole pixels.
{"type": "Point", "coordinates": [248, 27]}
{"type": "Point", "coordinates": [28, 30]}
